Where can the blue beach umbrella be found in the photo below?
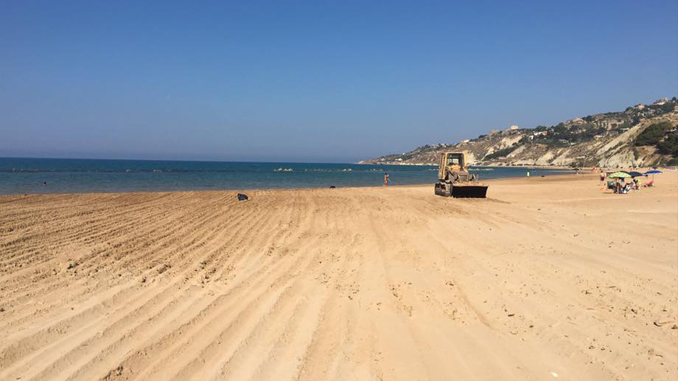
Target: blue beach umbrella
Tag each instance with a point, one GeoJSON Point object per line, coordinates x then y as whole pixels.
{"type": "Point", "coordinates": [653, 172]}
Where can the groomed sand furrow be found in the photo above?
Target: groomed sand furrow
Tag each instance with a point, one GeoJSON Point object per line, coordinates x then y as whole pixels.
{"type": "Point", "coordinates": [547, 277]}
{"type": "Point", "coordinates": [248, 283]}
{"type": "Point", "coordinates": [60, 218]}
{"type": "Point", "coordinates": [138, 236]}
{"type": "Point", "coordinates": [328, 338]}
{"type": "Point", "coordinates": [78, 233]}
{"type": "Point", "coordinates": [184, 248]}
{"type": "Point", "coordinates": [280, 323]}
{"type": "Point", "coordinates": [244, 327]}
{"type": "Point", "coordinates": [167, 240]}
{"type": "Point", "coordinates": [241, 279]}
{"type": "Point", "coordinates": [17, 348]}
{"type": "Point", "coordinates": [150, 326]}
{"type": "Point", "coordinates": [329, 333]}
{"type": "Point", "coordinates": [115, 341]}
{"type": "Point", "coordinates": [278, 349]}
{"type": "Point", "coordinates": [59, 282]}
{"type": "Point", "coordinates": [99, 217]}
{"type": "Point", "coordinates": [121, 223]}
{"type": "Point", "coordinates": [156, 353]}
{"type": "Point", "coordinates": [239, 329]}
{"type": "Point", "coordinates": [227, 261]}
{"type": "Point", "coordinates": [156, 242]}
{"type": "Point", "coordinates": [288, 356]}
{"type": "Point", "coordinates": [90, 339]}
{"type": "Point", "coordinates": [64, 324]}
{"type": "Point", "coordinates": [59, 208]}
{"type": "Point", "coordinates": [117, 228]}
{"type": "Point", "coordinates": [343, 323]}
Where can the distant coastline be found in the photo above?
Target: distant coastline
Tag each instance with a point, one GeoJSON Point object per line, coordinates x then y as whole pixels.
{"type": "Point", "coordinates": [640, 136]}
{"type": "Point", "coordinates": [491, 165]}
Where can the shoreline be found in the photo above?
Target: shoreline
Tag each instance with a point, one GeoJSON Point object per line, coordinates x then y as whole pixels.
{"type": "Point", "coordinates": [281, 189]}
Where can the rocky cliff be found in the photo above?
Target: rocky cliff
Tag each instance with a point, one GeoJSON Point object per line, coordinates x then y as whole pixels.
{"type": "Point", "coordinates": [642, 135]}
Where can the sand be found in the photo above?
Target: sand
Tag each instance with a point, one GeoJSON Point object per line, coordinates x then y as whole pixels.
{"type": "Point", "coordinates": [549, 278]}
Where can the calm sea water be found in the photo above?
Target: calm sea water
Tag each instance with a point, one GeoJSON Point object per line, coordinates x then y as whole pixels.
{"type": "Point", "coordinates": [78, 176]}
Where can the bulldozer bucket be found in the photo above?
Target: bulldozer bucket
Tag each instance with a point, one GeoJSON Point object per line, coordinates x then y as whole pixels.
{"type": "Point", "coordinates": [469, 191]}
{"type": "Point", "coordinates": [443, 189]}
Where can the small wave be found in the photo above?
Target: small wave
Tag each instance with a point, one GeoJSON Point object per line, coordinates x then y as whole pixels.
{"type": "Point", "coordinates": [283, 170]}
{"type": "Point", "coordinates": [328, 170]}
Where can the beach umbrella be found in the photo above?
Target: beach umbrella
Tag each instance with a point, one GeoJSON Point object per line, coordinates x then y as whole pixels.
{"type": "Point", "coordinates": [654, 172]}
{"type": "Point", "coordinates": [636, 174]}
{"type": "Point", "coordinates": [619, 175]}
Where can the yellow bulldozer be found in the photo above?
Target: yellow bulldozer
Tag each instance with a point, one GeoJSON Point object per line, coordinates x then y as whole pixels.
{"type": "Point", "coordinates": [455, 180]}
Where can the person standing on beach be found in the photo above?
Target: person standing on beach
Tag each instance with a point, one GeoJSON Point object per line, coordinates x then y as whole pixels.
{"type": "Point", "coordinates": [387, 181]}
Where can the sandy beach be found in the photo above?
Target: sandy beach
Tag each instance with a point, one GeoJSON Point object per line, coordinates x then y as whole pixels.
{"type": "Point", "coordinates": [548, 278]}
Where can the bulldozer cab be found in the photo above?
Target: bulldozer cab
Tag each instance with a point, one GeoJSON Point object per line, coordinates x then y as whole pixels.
{"type": "Point", "coordinates": [451, 161]}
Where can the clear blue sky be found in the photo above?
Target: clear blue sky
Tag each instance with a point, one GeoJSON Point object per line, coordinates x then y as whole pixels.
{"type": "Point", "coordinates": [315, 80]}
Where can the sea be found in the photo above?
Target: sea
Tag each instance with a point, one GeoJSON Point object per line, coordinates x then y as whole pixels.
{"type": "Point", "coordinates": [25, 175]}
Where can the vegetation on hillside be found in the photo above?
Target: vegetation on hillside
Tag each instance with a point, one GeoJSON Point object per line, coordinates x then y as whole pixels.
{"type": "Point", "coordinates": [663, 136]}
{"type": "Point", "coordinates": [501, 153]}
{"type": "Point", "coordinates": [580, 141]}
{"type": "Point", "coordinates": [653, 134]}
{"type": "Point", "coordinates": [562, 135]}
{"type": "Point", "coordinates": [669, 146]}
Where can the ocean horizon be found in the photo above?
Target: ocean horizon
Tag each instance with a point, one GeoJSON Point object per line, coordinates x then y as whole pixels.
{"type": "Point", "coordinates": [47, 175]}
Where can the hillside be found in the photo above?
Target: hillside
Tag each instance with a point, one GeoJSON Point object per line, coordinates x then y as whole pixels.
{"type": "Point", "coordinates": [641, 135]}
